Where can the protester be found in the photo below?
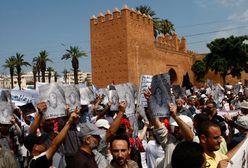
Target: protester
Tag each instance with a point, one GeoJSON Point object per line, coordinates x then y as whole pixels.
{"type": "Point", "coordinates": [41, 152]}
{"type": "Point", "coordinates": [90, 137]}
{"type": "Point", "coordinates": [120, 149]}
{"type": "Point", "coordinates": [188, 154]}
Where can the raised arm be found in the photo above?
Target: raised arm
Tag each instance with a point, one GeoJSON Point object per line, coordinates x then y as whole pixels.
{"type": "Point", "coordinates": [117, 121]}
{"type": "Point", "coordinates": [61, 136]}
{"type": "Point", "coordinates": [38, 116]}
{"type": "Point", "coordinates": [105, 110]}
{"type": "Point", "coordinates": [186, 130]}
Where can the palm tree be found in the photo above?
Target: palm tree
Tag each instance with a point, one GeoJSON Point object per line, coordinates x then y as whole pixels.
{"type": "Point", "coordinates": [50, 70]}
{"type": "Point", "coordinates": [42, 60]}
{"type": "Point", "coordinates": [65, 75]}
{"type": "Point", "coordinates": [166, 27]}
{"type": "Point", "coordinates": [36, 61]}
{"type": "Point", "coordinates": [144, 9]}
{"type": "Point", "coordinates": [34, 70]}
{"type": "Point", "coordinates": [19, 62]}
{"type": "Point", "coordinates": [74, 53]}
{"type": "Point", "coordinates": [10, 63]}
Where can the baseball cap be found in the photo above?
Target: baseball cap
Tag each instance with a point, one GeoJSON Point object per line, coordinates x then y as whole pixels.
{"type": "Point", "coordinates": [102, 123]}
{"type": "Point", "coordinates": [242, 121]}
{"type": "Point", "coordinates": [185, 118]}
{"type": "Point", "coordinates": [244, 105]}
{"type": "Point", "coordinates": [89, 129]}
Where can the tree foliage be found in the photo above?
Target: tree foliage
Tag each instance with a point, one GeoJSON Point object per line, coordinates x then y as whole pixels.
{"type": "Point", "coordinates": [74, 53]}
{"type": "Point", "coordinates": [228, 56]}
{"type": "Point", "coordinates": [160, 26]}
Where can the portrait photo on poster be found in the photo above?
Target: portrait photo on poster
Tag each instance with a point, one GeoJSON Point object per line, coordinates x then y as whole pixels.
{"type": "Point", "coordinates": [161, 95]}
{"type": "Point", "coordinates": [54, 97]}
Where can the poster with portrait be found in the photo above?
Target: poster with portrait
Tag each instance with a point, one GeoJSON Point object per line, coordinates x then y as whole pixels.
{"type": "Point", "coordinates": [54, 97]}
{"type": "Point", "coordinates": [114, 98]}
{"type": "Point", "coordinates": [161, 95]}
{"type": "Point", "coordinates": [210, 83]}
{"type": "Point", "coordinates": [178, 91]}
{"type": "Point", "coordinates": [103, 92]}
{"type": "Point", "coordinates": [126, 93]}
{"type": "Point", "coordinates": [6, 111]}
{"type": "Point", "coordinates": [145, 83]}
{"type": "Point", "coordinates": [5, 95]}
{"type": "Point", "coordinates": [72, 96]}
{"type": "Point", "coordinates": [86, 95]}
{"type": "Point", "coordinates": [236, 88]}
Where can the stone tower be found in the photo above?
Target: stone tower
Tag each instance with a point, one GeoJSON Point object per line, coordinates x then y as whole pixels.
{"type": "Point", "coordinates": [123, 48]}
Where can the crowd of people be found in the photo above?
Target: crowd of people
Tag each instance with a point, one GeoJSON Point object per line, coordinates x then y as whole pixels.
{"type": "Point", "coordinates": [194, 136]}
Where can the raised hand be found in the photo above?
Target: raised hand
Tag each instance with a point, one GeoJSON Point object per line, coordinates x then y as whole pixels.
{"type": "Point", "coordinates": [122, 106]}
{"type": "Point", "coordinates": [41, 106]}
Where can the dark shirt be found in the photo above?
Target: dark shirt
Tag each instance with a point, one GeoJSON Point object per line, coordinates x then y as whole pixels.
{"type": "Point", "coordinates": [237, 138]}
{"type": "Point", "coordinates": [185, 111]}
{"type": "Point", "coordinates": [40, 161]}
{"type": "Point", "coordinates": [82, 160]}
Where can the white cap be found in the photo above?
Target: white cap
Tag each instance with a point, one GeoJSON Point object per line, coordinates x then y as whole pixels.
{"type": "Point", "coordinates": [185, 118]}
{"type": "Point", "coordinates": [102, 123]}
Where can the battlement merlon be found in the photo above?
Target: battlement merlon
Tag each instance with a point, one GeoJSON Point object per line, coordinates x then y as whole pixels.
{"type": "Point", "coordinates": [124, 13]}
{"type": "Point", "coordinates": [172, 42]}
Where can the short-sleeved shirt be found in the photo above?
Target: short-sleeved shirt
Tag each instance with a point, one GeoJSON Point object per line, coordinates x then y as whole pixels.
{"type": "Point", "coordinates": [213, 161]}
{"type": "Point", "coordinates": [40, 161]}
{"type": "Point", "coordinates": [83, 159]}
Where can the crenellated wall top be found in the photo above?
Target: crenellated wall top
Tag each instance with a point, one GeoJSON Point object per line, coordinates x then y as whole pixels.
{"type": "Point", "coordinates": [172, 42]}
{"type": "Point", "coordinates": [124, 13]}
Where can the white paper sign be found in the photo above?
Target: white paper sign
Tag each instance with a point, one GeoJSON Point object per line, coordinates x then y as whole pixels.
{"type": "Point", "coordinates": [160, 95]}
{"type": "Point", "coordinates": [54, 97]}
{"type": "Point", "coordinates": [72, 96]}
{"type": "Point", "coordinates": [145, 83]}
{"type": "Point", "coordinates": [6, 111]}
{"type": "Point", "coordinates": [240, 158]}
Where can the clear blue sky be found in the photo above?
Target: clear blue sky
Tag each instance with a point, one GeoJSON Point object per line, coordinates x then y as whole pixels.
{"type": "Point", "coordinates": [29, 26]}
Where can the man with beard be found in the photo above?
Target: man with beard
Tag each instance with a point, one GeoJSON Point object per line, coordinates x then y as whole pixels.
{"type": "Point", "coordinates": [89, 136]}
{"type": "Point", "coordinates": [120, 149]}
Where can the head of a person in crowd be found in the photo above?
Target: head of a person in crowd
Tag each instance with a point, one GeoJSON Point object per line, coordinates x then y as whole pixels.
{"type": "Point", "coordinates": [125, 127]}
{"type": "Point", "coordinates": [180, 104]}
{"type": "Point", "coordinates": [102, 124]}
{"type": "Point", "coordinates": [198, 119]}
{"type": "Point", "coordinates": [120, 149]}
{"type": "Point", "coordinates": [176, 131]}
{"type": "Point", "coordinates": [209, 134]}
{"type": "Point", "coordinates": [89, 136]}
{"type": "Point", "coordinates": [36, 144]}
{"type": "Point", "coordinates": [192, 100]}
{"type": "Point", "coordinates": [188, 154]}
{"type": "Point", "coordinates": [7, 159]}
{"type": "Point", "coordinates": [4, 129]}
{"type": "Point", "coordinates": [242, 123]}
{"type": "Point", "coordinates": [212, 108]}
{"type": "Point", "coordinates": [47, 125]}
{"type": "Point", "coordinates": [244, 107]}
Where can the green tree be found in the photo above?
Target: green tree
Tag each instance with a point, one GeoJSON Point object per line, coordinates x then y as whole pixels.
{"type": "Point", "coordinates": [50, 70]}
{"type": "Point", "coordinates": [10, 63]}
{"type": "Point", "coordinates": [166, 27]}
{"type": "Point", "coordinates": [19, 62]}
{"type": "Point", "coordinates": [144, 9]}
{"type": "Point", "coordinates": [36, 61]}
{"type": "Point", "coordinates": [42, 61]}
{"type": "Point", "coordinates": [163, 26]}
{"type": "Point", "coordinates": [200, 70]}
{"type": "Point", "coordinates": [34, 71]}
{"type": "Point", "coordinates": [74, 54]}
{"type": "Point", "coordinates": [228, 56]}
{"type": "Point", "coordinates": [65, 75]}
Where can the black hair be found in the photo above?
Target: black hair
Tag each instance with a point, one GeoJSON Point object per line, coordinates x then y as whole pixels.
{"type": "Point", "coordinates": [188, 154]}
{"type": "Point", "coordinates": [120, 137]}
{"type": "Point", "coordinates": [203, 128]}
